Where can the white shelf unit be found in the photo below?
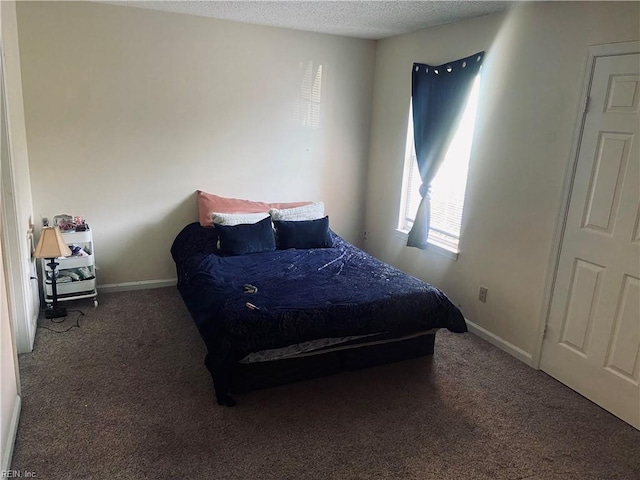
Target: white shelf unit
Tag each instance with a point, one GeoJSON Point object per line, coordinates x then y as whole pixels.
{"type": "Point", "coordinates": [76, 289]}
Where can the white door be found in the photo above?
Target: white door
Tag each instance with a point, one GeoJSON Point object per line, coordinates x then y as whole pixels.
{"type": "Point", "coordinates": [592, 341]}
{"type": "Point", "coordinates": [20, 267]}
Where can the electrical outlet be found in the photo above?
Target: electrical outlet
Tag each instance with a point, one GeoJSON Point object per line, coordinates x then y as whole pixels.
{"type": "Point", "coordinates": [482, 294]}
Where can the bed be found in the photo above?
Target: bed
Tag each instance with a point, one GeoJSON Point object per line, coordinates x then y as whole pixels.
{"type": "Point", "coordinates": [284, 315]}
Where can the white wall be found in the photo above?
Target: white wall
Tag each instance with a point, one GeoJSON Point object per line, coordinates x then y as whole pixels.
{"type": "Point", "coordinates": [129, 111]}
{"type": "Point", "coordinates": [527, 115]}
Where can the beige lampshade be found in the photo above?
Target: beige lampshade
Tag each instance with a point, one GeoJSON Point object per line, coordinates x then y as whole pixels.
{"type": "Point", "coordinates": [51, 244]}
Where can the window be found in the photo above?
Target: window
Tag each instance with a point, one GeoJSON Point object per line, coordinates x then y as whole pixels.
{"type": "Point", "coordinates": [448, 186]}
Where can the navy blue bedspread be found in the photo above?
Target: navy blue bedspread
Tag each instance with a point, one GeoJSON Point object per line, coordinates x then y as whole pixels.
{"type": "Point", "coordinates": [302, 295]}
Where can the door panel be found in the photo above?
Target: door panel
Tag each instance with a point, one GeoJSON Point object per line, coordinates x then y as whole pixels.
{"type": "Point", "coordinates": [623, 357]}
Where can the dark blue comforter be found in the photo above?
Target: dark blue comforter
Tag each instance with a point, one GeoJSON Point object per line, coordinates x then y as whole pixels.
{"type": "Point", "coordinates": [301, 295]}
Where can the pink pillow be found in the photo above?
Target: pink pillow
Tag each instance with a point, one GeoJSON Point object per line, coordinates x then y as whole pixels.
{"type": "Point", "coordinates": [209, 203]}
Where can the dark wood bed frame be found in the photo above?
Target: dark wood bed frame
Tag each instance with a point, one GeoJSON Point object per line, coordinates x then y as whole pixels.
{"type": "Point", "coordinates": [254, 376]}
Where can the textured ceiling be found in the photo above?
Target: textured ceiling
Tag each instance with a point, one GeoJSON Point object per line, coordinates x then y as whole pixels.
{"type": "Point", "coordinates": [361, 19]}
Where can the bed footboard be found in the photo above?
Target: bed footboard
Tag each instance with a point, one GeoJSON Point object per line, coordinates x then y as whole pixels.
{"type": "Point", "coordinates": [254, 376]}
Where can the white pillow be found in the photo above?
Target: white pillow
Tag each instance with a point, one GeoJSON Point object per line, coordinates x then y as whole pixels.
{"type": "Point", "coordinates": [237, 218]}
{"type": "Point", "coordinates": [313, 211]}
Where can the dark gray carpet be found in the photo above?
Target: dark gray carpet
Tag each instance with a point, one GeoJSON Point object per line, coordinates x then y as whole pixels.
{"type": "Point", "coordinates": [127, 396]}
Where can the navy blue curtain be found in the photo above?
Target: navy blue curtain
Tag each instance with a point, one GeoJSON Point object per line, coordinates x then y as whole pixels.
{"type": "Point", "coordinates": [439, 95]}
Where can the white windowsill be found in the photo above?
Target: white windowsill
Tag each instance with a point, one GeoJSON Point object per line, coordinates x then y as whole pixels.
{"type": "Point", "coordinates": [434, 246]}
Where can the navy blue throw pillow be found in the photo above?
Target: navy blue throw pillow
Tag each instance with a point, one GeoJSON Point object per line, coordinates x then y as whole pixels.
{"type": "Point", "coordinates": [247, 238]}
{"type": "Point", "coordinates": [303, 233]}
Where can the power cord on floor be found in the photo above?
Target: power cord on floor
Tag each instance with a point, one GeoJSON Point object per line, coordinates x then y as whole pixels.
{"type": "Point", "coordinates": [62, 320]}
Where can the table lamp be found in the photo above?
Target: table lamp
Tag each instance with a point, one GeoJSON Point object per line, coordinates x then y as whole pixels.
{"type": "Point", "coordinates": [51, 246]}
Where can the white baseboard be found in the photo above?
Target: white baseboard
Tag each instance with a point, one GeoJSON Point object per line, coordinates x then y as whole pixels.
{"type": "Point", "coordinates": [11, 438]}
{"type": "Point", "coordinates": [142, 285]}
{"type": "Point", "coordinates": [502, 344]}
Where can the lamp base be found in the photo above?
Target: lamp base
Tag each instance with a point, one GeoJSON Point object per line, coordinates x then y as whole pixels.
{"type": "Point", "coordinates": [55, 312]}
